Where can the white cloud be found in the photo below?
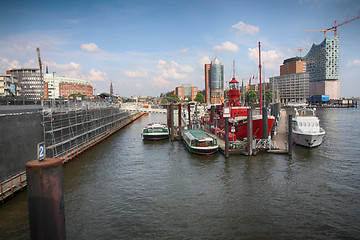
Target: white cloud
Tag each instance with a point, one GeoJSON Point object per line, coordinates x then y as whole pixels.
{"type": "Point", "coordinates": [161, 82]}
{"type": "Point", "coordinates": [353, 63]}
{"type": "Point", "coordinates": [136, 74]}
{"type": "Point", "coordinates": [97, 75]}
{"type": "Point", "coordinates": [185, 50]}
{"type": "Point", "coordinates": [23, 47]}
{"type": "Point", "coordinates": [226, 47]}
{"type": "Point", "coordinates": [173, 69]}
{"type": "Point", "coordinates": [272, 59]}
{"type": "Point", "coordinates": [6, 64]}
{"type": "Point", "coordinates": [243, 28]}
{"type": "Point", "coordinates": [204, 60]}
{"type": "Point", "coordinates": [90, 47]}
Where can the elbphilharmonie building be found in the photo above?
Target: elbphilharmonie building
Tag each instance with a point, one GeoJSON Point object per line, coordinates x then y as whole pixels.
{"type": "Point", "coordinates": [322, 64]}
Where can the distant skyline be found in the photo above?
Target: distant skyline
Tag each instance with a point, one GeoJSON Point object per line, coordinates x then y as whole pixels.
{"type": "Point", "coordinates": [150, 47]}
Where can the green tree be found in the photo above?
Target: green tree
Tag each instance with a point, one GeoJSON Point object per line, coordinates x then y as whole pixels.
{"type": "Point", "coordinates": [268, 95]}
{"type": "Point", "coordinates": [164, 100]}
{"type": "Point", "coordinates": [75, 95]}
{"type": "Point", "coordinates": [199, 98]}
{"type": "Point", "coordinates": [174, 98]}
{"type": "Point", "coordinates": [250, 96]}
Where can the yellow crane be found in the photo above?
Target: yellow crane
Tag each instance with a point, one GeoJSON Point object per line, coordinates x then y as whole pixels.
{"type": "Point", "coordinates": [299, 49]}
{"type": "Point", "coordinates": [41, 75]}
{"type": "Point", "coordinates": [323, 30]}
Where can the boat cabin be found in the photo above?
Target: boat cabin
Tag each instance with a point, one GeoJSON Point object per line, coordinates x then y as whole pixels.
{"type": "Point", "coordinates": [203, 141]}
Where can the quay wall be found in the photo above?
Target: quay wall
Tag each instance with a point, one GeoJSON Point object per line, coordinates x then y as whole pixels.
{"type": "Point", "coordinates": [67, 132]}
{"type": "Point", "coordinates": [20, 134]}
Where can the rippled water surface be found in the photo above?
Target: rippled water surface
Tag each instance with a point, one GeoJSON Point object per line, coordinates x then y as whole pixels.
{"type": "Point", "coordinates": [127, 188]}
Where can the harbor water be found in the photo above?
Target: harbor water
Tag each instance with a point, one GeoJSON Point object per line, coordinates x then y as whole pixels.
{"type": "Point", "coordinates": [127, 188]}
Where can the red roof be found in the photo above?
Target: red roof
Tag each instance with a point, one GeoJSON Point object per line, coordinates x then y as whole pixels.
{"type": "Point", "coordinates": [233, 80]}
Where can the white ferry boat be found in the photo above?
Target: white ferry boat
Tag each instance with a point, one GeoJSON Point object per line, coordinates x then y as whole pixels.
{"type": "Point", "coordinates": [155, 131]}
{"type": "Point", "coordinates": [199, 142]}
{"type": "Point", "coordinates": [306, 130]}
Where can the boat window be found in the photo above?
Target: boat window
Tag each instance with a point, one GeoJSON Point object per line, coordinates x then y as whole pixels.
{"type": "Point", "coordinates": [300, 124]}
{"type": "Point", "coordinates": [316, 124]}
{"type": "Point", "coordinates": [312, 124]}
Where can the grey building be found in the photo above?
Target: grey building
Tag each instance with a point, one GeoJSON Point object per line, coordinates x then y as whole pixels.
{"type": "Point", "coordinates": [291, 87]}
{"type": "Point", "coordinates": [31, 84]}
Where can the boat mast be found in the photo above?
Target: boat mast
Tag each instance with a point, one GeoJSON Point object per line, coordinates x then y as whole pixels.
{"type": "Point", "coordinates": [260, 79]}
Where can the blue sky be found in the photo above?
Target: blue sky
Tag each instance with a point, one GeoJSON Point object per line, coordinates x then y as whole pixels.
{"type": "Point", "coordinates": [149, 47]}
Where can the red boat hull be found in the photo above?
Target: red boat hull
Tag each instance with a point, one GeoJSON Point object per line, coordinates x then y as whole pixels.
{"type": "Point", "coordinates": [241, 128]}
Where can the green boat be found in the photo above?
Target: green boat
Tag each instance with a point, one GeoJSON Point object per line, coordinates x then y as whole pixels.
{"type": "Point", "coordinates": [199, 142]}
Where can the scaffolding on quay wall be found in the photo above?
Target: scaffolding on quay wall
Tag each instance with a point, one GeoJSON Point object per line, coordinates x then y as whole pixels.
{"type": "Point", "coordinates": [72, 127]}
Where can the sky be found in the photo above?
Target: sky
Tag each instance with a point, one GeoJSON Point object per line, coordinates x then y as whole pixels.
{"type": "Point", "coordinates": [149, 47]}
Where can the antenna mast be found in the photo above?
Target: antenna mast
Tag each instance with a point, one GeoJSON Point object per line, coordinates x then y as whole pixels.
{"type": "Point", "coordinates": [260, 79]}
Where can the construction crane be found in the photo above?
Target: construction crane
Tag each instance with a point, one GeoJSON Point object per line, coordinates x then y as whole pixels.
{"type": "Point", "coordinates": [323, 30]}
{"type": "Point", "coordinates": [300, 49]}
{"type": "Point", "coordinates": [41, 75]}
{"type": "Point", "coordinates": [334, 28]}
{"type": "Point", "coordinates": [38, 53]}
{"type": "Point", "coordinates": [347, 21]}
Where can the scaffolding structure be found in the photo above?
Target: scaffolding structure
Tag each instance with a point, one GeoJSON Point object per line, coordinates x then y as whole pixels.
{"type": "Point", "coordinates": [72, 127]}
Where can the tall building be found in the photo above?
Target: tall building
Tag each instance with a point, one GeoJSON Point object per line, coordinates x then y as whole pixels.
{"type": "Point", "coordinates": [292, 65]}
{"type": "Point", "coordinates": [30, 82]}
{"type": "Point", "coordinates": [323, 66]}
{"type": "Point", "coordinates": [57, 87]}
{"type": "Point", "coordinates": [216, 82]}
{"type": "Point", "coordinates": [207, 83]}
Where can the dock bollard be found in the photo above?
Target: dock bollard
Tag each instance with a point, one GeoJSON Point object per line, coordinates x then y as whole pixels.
{"type": "Point", "coordinates": [45, 199]}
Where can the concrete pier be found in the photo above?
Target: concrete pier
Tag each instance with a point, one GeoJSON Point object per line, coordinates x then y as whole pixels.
{"type": "Point", "coordinates": [281, 137]}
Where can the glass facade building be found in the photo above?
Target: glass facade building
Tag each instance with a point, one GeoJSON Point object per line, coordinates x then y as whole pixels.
{"type": "Point", "coordinates": [216, 75]}
{"type": "Point", "coordinates": [323, 66]}
{"type": "Point", "coordinates": [216, 82]}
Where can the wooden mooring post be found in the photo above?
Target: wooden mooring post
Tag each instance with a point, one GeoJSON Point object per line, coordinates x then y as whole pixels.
{"type": "Point", "coordinates": [171, 126]}
{"type": "Point", "coordinates": [179, 113]}
{"type": "Point", "coordinates": [290, 135]}
{"type": "Point", "coordinates": [226, 137]}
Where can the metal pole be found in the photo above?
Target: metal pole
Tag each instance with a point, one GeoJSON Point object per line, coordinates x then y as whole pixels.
{"type": "Point", "coordinates": [212, 115]}
{"type": "Point", "coordinates": [189, 115]}
{"type": "Point", "coordinates": [226, 137]}
{"type": "Point", "coordinates": [290, 135]}
{"type": "Point", "coordinates": [265, 123]}
{"type": "Point", "coordinates": [249, 132]}
{"type": "Point", "coordinates": [260, 79]}
{"type": "Point", "coordinates": [45, 199]}
{"type": "Point", "coordinates": [172, 121]}
{"type": "Point", "coordinates": [179, 113]}
{"type": "Point", "coordinates": [168, 115]}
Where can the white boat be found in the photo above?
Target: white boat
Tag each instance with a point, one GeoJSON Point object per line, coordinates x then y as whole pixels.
{"type": "Point", "coordinates": [155, 131]}
{"type": "Point", "coordinates": [199, 142]}
{"type": "Point", "coordinates": [306, 130]}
